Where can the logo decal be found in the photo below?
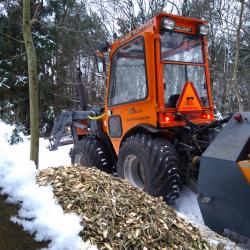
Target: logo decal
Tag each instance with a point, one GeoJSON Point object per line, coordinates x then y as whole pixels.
{"type": "Point", "coordinates": [134, 111]}
{"type": "Point", "coordinates": [185, 29]}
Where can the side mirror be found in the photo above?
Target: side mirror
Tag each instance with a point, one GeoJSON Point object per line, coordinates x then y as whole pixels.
{"type": "Point", "coordinates": [100, 62]}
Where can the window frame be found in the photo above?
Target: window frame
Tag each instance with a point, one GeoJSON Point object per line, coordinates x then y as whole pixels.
{"type": "Point", "coordinates": [183, 62]}
{"type": "Point", "coordinates": [187, 64]}
{"type": "Point", "coordinates": [113, 70]}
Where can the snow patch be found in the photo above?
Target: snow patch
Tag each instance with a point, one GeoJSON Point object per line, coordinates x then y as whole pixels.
{"type": "Point", "coordinates": [56, 158]}
{"type": "Point", "coordinates": [39, 213]}
{"type": "Point", "coordinates": [187, 205]}
{"type": "Point", "coordinates": [21, 80]}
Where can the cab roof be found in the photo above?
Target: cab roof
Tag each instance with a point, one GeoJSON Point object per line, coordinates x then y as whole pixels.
{"type": "Point", "coordinates": [183, 24]}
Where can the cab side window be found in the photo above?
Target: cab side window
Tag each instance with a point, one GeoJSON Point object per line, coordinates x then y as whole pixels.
{"type": "Point", "coordinates": [128, 77]}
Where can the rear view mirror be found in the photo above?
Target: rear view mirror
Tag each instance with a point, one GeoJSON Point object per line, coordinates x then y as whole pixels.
{"type": "Point", "coordinates": [100, 62]}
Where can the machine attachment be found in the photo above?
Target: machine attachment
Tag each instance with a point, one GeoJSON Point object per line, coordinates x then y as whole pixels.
{"type": "Point", "coordinates": [224, 183]}
{"type": "Point", "coordinates": [67, 123]}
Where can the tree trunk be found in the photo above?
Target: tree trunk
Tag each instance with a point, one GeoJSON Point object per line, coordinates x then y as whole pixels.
{"type": "Point", "coordinates": [185, 8]}
{"type": "Point", "coordinates": [33, 83]}
{"type": "Point", "coordinates": [236, 60]}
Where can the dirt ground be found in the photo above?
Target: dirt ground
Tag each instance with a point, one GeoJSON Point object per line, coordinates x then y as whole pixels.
{"type": "Point", "coordinates": [12, 236]}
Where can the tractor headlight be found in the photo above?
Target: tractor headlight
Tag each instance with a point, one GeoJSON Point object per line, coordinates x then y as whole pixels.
{"type": "Point", "coordinates": [203, 30]}
{"type": "Point", "coordinates": [167, 24]}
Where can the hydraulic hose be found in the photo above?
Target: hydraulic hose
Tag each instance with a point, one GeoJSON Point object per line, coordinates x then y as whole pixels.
{"type": "Point", "coordinates": [96, 117]}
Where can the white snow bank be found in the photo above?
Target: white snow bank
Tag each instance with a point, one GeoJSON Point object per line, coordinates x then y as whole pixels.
{"type": "Point", "coordinates": [39, 212]}
{"type": "Point", "coordinates": [47, 158]}
{"type": "Point", "coordinates": [56, 158]}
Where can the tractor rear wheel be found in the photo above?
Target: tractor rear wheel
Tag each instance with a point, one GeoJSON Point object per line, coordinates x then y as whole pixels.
{"type": "Point", "coordinates": [90, 152]}
{"type": "Point", "coordinates": [151, 164]}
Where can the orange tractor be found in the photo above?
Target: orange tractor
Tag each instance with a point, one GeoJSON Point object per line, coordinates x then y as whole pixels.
{"type": "Point", "coordinates": [157, 129]}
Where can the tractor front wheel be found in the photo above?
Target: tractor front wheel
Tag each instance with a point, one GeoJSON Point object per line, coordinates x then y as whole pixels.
{"type": "Point", "coordinates": [90, 152]}
{"type": "Point", "coordinates": [151, 164]}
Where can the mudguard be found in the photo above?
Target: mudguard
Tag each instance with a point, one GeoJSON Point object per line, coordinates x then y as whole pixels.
{"type": "Point", "coordinates": [223, 186]}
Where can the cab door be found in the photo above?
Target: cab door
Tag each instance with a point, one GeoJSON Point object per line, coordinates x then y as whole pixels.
{"type": "Point", "coordinates": [130, 101]}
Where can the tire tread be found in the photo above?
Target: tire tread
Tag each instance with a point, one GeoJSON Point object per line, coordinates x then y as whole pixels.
{"type": "Point", "coordinates": [163, 164]}
{"type": "Point", "coordinates": [94, 154]}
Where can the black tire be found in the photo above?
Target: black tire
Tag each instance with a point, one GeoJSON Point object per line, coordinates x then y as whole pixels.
{"type": "Point", "coordinates": [151, 164]}
{"type": "Point", "coordinates": [90, 152]}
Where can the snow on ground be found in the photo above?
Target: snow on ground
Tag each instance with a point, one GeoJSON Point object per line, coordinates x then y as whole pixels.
{"type": "Point", "coordinates": [39, 212]}
{"type": "Point", "coordinates": [46, 158]}
{"type": "Point", "coordinates": [187, 204]}
{"type": "Point", "coordinates": [56, 158]}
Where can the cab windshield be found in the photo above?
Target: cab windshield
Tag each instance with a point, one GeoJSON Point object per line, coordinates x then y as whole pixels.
{"type": "Point", "coordinates": [183, 61]}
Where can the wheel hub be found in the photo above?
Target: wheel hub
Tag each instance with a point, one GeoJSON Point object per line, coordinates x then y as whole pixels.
{"type": "Point", "coordinates": [134, 172]}
{"type": "Point", "coordinates": [77, 160]}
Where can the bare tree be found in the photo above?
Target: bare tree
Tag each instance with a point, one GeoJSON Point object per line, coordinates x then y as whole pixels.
{"type": "Point", "coordinates": [33, 81]}
{"type": "Point", "coordinates": [236, 59]}
{"type": "Point", "coordinates": [184, 10]}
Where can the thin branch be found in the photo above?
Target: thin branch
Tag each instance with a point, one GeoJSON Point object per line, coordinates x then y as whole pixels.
{"type": "Point", "coordinates": [11, 37]}
{"type": "Point", "coordinates": [66, 97]}
{"type": "Point", "coordinates": [11, 57]}
{"type": "Point", "coordinates": [175, 5]}
{"type": "Point", "coordinates": [35, 16]}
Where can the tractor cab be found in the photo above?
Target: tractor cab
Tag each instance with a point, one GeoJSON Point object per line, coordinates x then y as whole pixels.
{"type": "Point", "coordinates": [159, 71]}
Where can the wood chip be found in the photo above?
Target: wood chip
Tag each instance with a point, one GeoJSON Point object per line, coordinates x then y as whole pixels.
{"type": "Point", "coordinates": [116, 215]}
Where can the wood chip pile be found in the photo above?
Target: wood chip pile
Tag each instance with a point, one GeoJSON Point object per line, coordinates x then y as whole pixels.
{"type": "Point", "coordinates": [116, 215]}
